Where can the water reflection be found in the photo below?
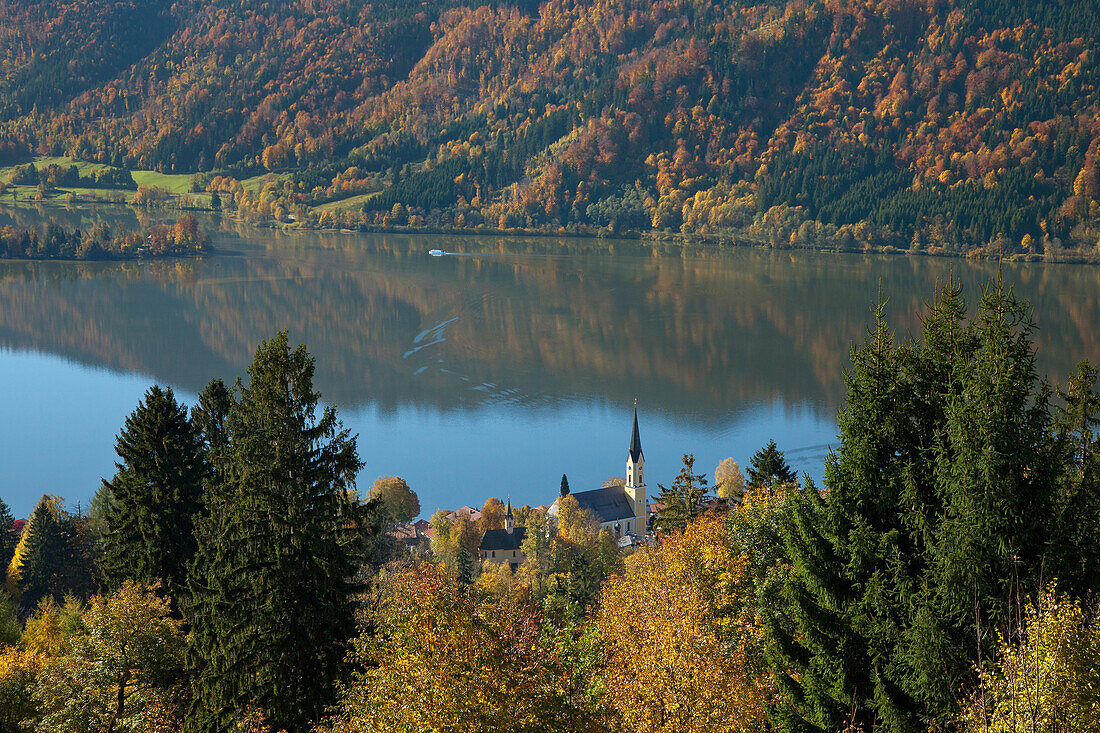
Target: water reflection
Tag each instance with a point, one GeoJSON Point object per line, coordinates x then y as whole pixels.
{"type": "Point", "coordinates": [514, 329]}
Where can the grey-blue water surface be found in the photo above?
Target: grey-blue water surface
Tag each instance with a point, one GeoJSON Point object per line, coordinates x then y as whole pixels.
{"type": "Point", "coordinates": [490, 372]}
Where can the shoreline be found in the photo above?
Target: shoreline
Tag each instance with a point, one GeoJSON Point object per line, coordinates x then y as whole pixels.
{"type": "Point", "coordinates": [733, 239]}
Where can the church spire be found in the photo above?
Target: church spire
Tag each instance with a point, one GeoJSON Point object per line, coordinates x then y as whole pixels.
{"type": "Point", "coordinates": [635, 439]}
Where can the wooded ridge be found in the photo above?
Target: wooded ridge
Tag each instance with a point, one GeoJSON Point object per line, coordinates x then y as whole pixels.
{"type": "Point", "coordinates": [931, 125]}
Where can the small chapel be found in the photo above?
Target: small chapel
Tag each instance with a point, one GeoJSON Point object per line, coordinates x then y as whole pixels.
{"type": "Point", "coordinates": [623, 509]}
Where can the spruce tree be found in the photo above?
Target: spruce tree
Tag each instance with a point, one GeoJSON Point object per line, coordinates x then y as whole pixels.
{"type": "Point", "coordinates": [55, 558]}
{"type": "Point", "coordinates": [8, 536]}
{"type": "Point", "coordinates": [943, 498]}
{"type": "Point", "coordinates": [838, 544]}
{"type": "Point", "coordinates": [154, 497]}
{"type": "Point", "coordinates": [272, 613]}
{"type": "Point", "coordinates": [209, 418]}
{"type": "Point", "coordinates": [681, 500]}
{"type": "Point", "coordinates": [564, 491]}
{"type": "Point", "coordinates": [39, 555]}
{"type": "Point", "coordinates": [768, 467]}
{"type": "Point", "coordinates": [1076, 419]}
{"type": "Point", "coordinates": [997, 473]}
{"type": "Point", "coordinates": [465, 575]}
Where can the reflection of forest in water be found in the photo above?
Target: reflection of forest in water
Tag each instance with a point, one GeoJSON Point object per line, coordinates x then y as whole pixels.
{"type": "Point", "coordinates": [529, 320]}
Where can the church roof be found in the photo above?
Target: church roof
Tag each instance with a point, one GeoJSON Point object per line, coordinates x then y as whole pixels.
{"type": "Point", "coordinates": [502, 539]}
{"type": "Point", "coordinates": [608, 504]}
{"type": "Point", "coordinates": [635, 440]}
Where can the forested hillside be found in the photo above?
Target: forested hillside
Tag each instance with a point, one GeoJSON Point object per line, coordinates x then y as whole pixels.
{"type": "Point", "coordinates": [934, 125]}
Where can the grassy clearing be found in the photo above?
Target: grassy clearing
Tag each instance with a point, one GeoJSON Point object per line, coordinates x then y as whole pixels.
{"type": "Point", "coordinates": [42, 161]}
{"type": "Point", "coordinates": [177, 184]}
{"type": "Point", "coordinates": [354, 203]}
{"type": "Point", "coordinates": [256, 183]}
{"type": "Point", "coordinates": [171, 182]}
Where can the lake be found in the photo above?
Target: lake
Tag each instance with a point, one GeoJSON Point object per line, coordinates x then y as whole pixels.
{"type": "Point", "coordinates": [489, 372]}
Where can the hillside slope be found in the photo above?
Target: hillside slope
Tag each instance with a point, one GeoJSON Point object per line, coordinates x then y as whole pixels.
{"type": "Point", "coordinates": [929, 125]}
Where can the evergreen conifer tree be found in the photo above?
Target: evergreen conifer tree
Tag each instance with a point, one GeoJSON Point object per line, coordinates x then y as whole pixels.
{"type": "Point", "coordinates": [768, 467]}
{"type": "Point", "coordinates": [828, 665]}
{"type": "Point", "coordinates": [154, 497]}
{"type": "Point", "coordinates": [209, 418]}
{"type": "Point", "coordinates": [997, 475]}
{"type": "Point", "coordinates": [942, 497]}
{"type": "Point", "coordinates": [465, 574]}
{"type": "Point", "coordinates": [564, 491]}
{"type": "Point", "coordinates": [8, 536]}
{"type": "Point", "coordinates": [682, 500]}
{"type": "Point", "coordinates": [1076, 420]}
{"type": "Point", "coordinates": [56, 557]}
{"type": "Point", "coordinates": [272, 613]}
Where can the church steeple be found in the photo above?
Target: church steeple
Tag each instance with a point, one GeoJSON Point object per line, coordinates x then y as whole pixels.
{"type": "Point", "coordinates": [508, 518]}
{"type": "Point", "coordinates": [635, 479]}
{"type": "Point", "coordinates": [635, 439]}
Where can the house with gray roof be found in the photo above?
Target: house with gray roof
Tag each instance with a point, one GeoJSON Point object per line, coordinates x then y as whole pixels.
{"type": "Point", "coordinates": [504, 545]}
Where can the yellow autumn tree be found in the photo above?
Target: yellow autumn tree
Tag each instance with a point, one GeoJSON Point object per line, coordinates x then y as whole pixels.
{"type": "Point", "coordinates": [454, 540]}
{"type": "Point", "coordinates": [447, 658]}
{"type": "Point", "coordinates": [1045, 676]}
{"type": "Point", "coordinates": [19, 670]}
{"type": "Point", "coordinates": [492, 514]}
{"type": "Point", "coordinates": [399, 502]}
{"type": "Point", "coordinates": [729, 482]}
{"type": "Point", "coordinates": [676, 628]}
{"type": "Point", "coordinates": [119, 670]}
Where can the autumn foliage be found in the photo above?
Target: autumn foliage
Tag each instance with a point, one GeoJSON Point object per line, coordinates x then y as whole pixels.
{"type": "Point", "coordinates": [938, 126]}
{"type": "Point", "coordinates": [450, 659]}
{"type": "Point", "coordinates": [678, 625]}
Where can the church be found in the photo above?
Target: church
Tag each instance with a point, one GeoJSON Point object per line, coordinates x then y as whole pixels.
{"type": "Point", "coordinates": [621, 509]}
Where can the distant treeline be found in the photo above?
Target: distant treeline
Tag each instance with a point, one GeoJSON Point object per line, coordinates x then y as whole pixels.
{"type": "Point", "coordinates": [54, 175]}
{"type": "Point", "coordinates": [54, 242]}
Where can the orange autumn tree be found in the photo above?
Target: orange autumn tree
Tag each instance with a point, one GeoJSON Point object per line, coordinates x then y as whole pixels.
{"type": "Point", "coordinates": [677, 624]}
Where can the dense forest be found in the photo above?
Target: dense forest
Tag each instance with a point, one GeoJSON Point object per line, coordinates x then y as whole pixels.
{"type": "Point", "coordinates": [924, 125]}
{"type": "Point", "coordinates": [230, 576]}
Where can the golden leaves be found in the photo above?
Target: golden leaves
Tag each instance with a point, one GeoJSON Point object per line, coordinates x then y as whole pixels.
{"type": "Point", "coordinates": [676, 629]}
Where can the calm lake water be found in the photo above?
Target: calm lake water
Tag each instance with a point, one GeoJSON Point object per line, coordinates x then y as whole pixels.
{"type": "Point", "coordinates": [486, 373]}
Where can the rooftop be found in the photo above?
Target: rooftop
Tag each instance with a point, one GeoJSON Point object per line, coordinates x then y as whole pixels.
{"type": "Point", "coordinates": [502, 539]}
{"type": "Point", "coordinates": [608, 504]}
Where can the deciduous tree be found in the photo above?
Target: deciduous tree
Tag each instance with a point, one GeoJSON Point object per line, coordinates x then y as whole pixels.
{"type": "Point", "coordinates": [119, 670]}
{"type": "Point", "coordinates": [399, 503]}
{"type": "Point", "coordinates": [1044, 674]}
{"type": "Point", "coordinates": [676, 630]}
{"type": "Point", "coordinates": [729, 482]}
{"type": "Point", "coordinates": [448, 659]}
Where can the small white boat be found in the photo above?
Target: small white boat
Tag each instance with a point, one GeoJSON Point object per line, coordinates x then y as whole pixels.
{"type": "Point", "coordinates": [436, 252]}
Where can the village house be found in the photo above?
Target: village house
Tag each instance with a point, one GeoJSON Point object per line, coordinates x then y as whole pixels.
{"type": "Point", "coordinates": [504, 545]}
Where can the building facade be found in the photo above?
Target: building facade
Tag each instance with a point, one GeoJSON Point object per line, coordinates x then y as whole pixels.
{"type": "Point", "coordinates": [622, 509]}
{"type": "Point", "coordinates": [504, 545]}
